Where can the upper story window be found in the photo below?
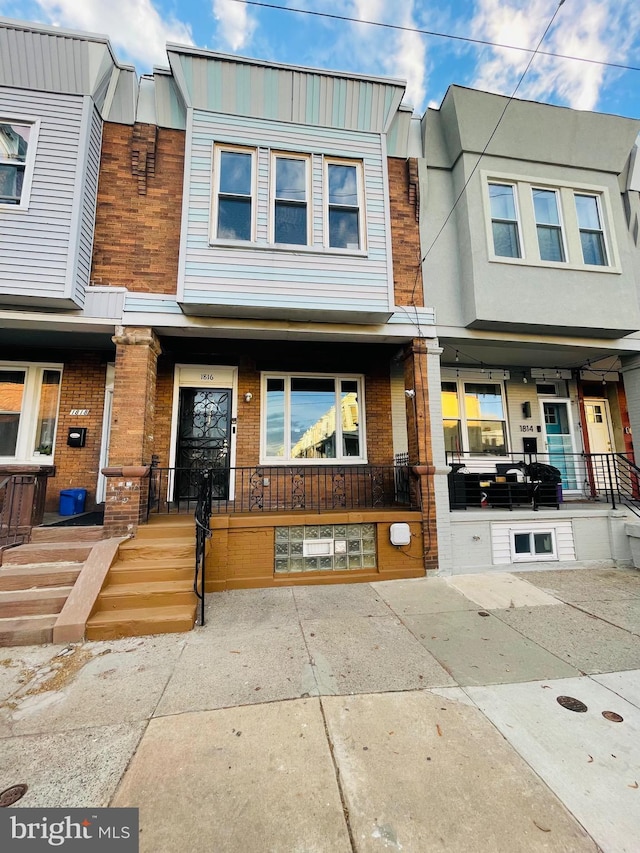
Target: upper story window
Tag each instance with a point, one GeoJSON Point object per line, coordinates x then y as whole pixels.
{"type": "Point", "coordinates": [16, 137]}
{"type": "Point", "coordinates": [536, 224]}
{"type": "Point", "coordinates": [234, 196]}
{"type": "Point", "coordinates": [504, 220]}
{"type": "Point", "coordinates": [313, 418]}
{"type": "Point", "coordinates": [547, 215]}
{"type": "Point", "coordinates": [29, 397]}
{"type": "Point", "coordinates": [344, 205]}
{"type": "Point", "coordinates": [290, 202]}
{"type": "Point", "coordinates": [591, 232]}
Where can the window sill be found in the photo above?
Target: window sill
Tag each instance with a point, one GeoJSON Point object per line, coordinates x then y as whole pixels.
{"type": "Point", "coordinates": [289, 463]}
{"type": "Point", "coordinates": [291, 249]}
{"type": "Point", "coordinates": [554, 265]}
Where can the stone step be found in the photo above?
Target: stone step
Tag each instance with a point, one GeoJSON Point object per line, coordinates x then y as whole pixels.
{"type": "Point", "coordinates": [174, 527]}
{"type": "Point", "coordinates": [32, 602]}
{"type": "Point", "coordinates": [66, 534]}
{"type": "Point", "coordinates": [139, 622]}
{"type": "Point", "coordinates": [47, 552]}
{"type": "Point", "coordinates": [149, 571]}
{"type": "Point", "coordinates": [30, 576]}
{"type": "Point", "coordinates": [133, 596]}
{"type": "Point", "coordinates": [141, 550]}
{"type": "Point", "coordinates": [27, 630]}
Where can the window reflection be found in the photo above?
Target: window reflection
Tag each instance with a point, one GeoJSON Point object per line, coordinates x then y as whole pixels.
{"type": "Point", "coordinates": [11, 394]}
{"type": "Point", "coordinates": [47, 413]}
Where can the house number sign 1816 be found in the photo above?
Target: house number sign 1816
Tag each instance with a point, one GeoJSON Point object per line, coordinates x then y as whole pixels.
{"type": "Point", "coordinates": [207, 376]}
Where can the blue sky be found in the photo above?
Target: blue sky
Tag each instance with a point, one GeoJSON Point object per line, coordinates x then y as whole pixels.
{"type": "Point", "coordinates": [606, 30]}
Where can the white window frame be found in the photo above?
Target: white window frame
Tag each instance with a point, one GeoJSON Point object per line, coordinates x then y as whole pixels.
{"type": "Point", "coordinates": [602, 230]}
{"type": "Point", "coordinates": [565, 192]}
{"type": "Point", "coordinates": [560, 226]}
{"type": "Point", "coordinates": [306, 159]}
{"type": "Point", "coordinates": [287, 459]}
{"type": "Point", "coordinates": [218, 149]}
{"type": "Point", "coordinates": [490, 377]}
{"type": "Point", "coordinates": [359, 167]}
{"type": "Point", "coordinates": [29, 163]}
{"type": "Point", "coordinates": [517, 220]}
{"type": "Point", "coordinates": [531, 556]}
{"type": "Point", "coordinates": [25, 443]}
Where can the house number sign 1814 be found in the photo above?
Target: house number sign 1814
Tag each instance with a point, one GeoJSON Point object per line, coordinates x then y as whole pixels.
{"type": "Point", "coordinates": [526, 428]}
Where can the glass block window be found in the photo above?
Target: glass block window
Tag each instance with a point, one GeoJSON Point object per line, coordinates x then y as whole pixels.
{"type": "Point", "coordinates": [325, 548]}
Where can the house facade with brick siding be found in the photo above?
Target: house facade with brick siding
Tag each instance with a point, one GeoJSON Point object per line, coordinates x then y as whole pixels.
{"type": "Point", "coordinates": [254, 307]}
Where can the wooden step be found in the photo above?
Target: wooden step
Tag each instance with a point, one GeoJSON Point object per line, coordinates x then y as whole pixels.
{"type": "Point", "coordinates": [47, 552]}
{"type": "Point", "coordinates": [133, 596]}
{"type": "Point", "coordinates": [30, 576]}
{"type": "Point", "coordinates": [135, 549]}
{"type": "Point", "coordinates": [173, 527]}
{"type": "Point", "coordinates": [139, 622]}
{"type": "Point", "coordinates": [32, 602]}
{"type": "Point", "coordinates": [148, 571]}
{"type": "Point", "coordinates": [66, 534]}
{"type": "Point", "coordinates": [27, 630]}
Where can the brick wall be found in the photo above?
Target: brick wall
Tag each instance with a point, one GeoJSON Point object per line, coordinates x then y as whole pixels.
{"type": "Point", "coordinates": [137, 232]}
{"type": "Point", "coordinates": [405, 232]}
{"type": "Point", "coordinates": [83, 381]}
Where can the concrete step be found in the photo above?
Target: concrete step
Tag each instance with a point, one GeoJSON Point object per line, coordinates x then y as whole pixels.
{"type": "Point", "coordinates": [148, 571]}
{"type": "Point", "coordinates": [110, 625]}
{"type": "Point", "coordinates": [30, 576]}
{"type": "Point", "coordinates": [32, 602]}
{"type": "Point", "coordinates": [139, 550]}
{"type": "Point", "coordinates": [27, 630]}
{"type": "Point", "coordinates": [47, 552]}
{"type": "Point", "coordinates": [133, 596]}
{"type": "Point", "coordinates": [66, 534]}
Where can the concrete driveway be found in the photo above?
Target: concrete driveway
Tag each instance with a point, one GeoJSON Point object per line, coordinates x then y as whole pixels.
{"type": "Point", "coordinates": [407, 715]}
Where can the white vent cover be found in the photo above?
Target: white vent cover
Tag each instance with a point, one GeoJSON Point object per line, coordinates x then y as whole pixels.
{"type": "Point", "coordinates": [317, 547]}
{"type": "Point", "coordinates": [400, 533]}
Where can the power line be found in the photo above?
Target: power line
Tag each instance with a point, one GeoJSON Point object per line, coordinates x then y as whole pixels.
{"type": "Point", "coordinates": [436, 34]}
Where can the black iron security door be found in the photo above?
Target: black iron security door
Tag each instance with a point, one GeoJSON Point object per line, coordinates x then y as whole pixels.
{"type": "Point", "coordinates": [204, 435]}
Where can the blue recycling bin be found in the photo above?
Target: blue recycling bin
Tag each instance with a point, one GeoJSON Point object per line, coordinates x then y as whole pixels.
{"type": "Point", "coordinates": [72, 501]}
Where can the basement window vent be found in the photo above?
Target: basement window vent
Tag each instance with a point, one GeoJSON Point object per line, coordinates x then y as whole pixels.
{"type": "Point", "coordinates": [317, 548]}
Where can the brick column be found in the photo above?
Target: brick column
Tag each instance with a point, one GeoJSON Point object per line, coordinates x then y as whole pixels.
{"type": "Point", "coordinates": [132, 429]}
{"type": "Point", "coordinates": [419, 440]}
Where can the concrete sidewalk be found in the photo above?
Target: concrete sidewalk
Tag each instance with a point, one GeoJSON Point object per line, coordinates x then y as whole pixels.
{"type": "Point", "coordinates": [407, 715]}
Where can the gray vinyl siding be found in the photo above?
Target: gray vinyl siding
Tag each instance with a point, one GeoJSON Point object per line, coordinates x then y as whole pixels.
{"type": "Point", "coordinates": [45, 250]}
{"type": "Point", "coordinates": [262, 278]}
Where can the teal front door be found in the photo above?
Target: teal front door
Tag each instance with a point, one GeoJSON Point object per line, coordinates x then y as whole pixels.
{"type": "Point", "coordinates": [559, 447]}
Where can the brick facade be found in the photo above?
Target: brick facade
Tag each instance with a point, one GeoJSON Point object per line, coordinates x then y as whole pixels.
{"type": "Point", "coordinates": [404, 200]}
{"type": "Point", "coordinates": [137, 232]}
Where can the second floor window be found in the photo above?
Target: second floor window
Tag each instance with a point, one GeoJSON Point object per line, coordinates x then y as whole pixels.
{"type": "Point", "coordinates": [14, 145]}
{"type": "Point", "coordinates": [591, 232]}
{"type": "Point", "coordinates": [504, 221]}
{"type": "Point", "coordinates": [344, 205]}
{"type": "Point", "coordinates": [235, 194]}
{"type": "Point", "coordinates": [290, 201]}
{"type": "Point", "coordinates": [550, 240]}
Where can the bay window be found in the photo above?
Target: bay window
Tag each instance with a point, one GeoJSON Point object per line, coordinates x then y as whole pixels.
{"type": "Point", "coordinates": [17, 141]}
{"type": "Point", "coordinates": [311, 417]}
{"type": "Point", "coordinates": [474, 419]}
{"type": "Point", "coordinates": [29, 399]}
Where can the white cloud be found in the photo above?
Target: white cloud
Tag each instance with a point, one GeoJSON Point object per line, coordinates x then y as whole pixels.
{"type": "Point", "coordinates": [235, 24]}
{"type": "Point", "coordinates": [135, 27]}
{"type": "Point", "coordinates": [598, 29]}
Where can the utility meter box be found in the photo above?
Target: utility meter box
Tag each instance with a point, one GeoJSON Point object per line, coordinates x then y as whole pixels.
{"type": "Point", "coordinates": [400, 533]}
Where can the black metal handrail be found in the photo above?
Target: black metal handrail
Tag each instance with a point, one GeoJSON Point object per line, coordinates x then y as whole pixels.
{"type": "Point", "coordinates": [286, 488]}
{"type": "Point", "coordinates": [613, 478]}
{"type": "Point", "coordinates": [203, 533]}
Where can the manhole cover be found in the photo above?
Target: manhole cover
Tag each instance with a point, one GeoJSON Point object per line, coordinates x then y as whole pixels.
{"type": "Point", "coordinates": [611, 715]}
{"type": "Point", "coordinates": [11, 795]}
{"type": "Point", "coordinates": [572, 704]}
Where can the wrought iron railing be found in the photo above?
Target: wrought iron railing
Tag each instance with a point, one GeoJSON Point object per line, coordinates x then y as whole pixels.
{"type": "Point", "coordinates": [286, 488]}
{"type": "Point", "coordinates": [203, 533]}
{"type": "Point", "coordinates": [612, 478]}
